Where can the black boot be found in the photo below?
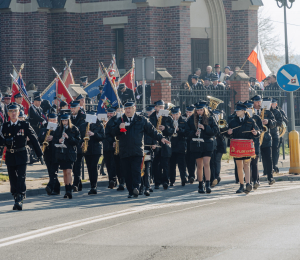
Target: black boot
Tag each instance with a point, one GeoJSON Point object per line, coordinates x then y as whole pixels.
{"type": "Point", "coordinates": [248, 188]}
{"type": "Point", "coordinates": [207, 186]}
{"type": "Point", "coordinates": [80, 186]}
{"type": "Point", "coordinates": [201, 187]}
{"type": "Point", "coordinates": [241, 189]}
{"type": "Point", "coordinates": [18, 202]}
{"type": "Point", "coordinates": [121, 187]}
{"type": "Point", "coordinates": [48, 190]}
{"type": "Point", "coordinates": [93, 191]}
{"type": "Point", "coordinates": [111, 184]}
{"type": "Point", "coordinates": [68, 189]}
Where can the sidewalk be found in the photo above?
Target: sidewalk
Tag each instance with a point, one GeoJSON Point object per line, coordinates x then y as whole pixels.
{"type": "Point", "coordinates": [37, 177]}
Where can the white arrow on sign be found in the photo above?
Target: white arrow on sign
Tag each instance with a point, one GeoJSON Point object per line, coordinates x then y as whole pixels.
{"type": "Point", "coordinates": [293, 80]}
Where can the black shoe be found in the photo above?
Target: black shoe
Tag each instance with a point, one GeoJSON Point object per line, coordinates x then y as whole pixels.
{"type": "Point", "coordinates": [241, 189]}
{"type": "Point", "coordinates": [80, 186]}
{"type": "Point", "coordinates": [271, 181]}
{"type": "Point", "coordinates": [18, 202]}
{"type": "Point", "coordinates": [48, 190]}
{"type": "Point", "coordinates": [147, 193]}
{"type": "Point", "coordinates": [135, 196]}
{"type": "Point", "coordinates": [130, 196]}
{"type": "Point", "coordinates": [201, 187]}
{"type": "Point", "coordinates": [207, 187]}
{"type": "Point", "coordinates": [135, 191]}
{"type": "Point", "coordinates": [165, 185]}
{"type": "Point", "coordinates": [248, 188]}
{"type": "Point", "coordinates": [75, 188]}
{"type": "Point", "coordinates": [218, 179]}
{"type": "Point", "coordinates": [214, 183]}
{"type": "Point", "coordinates": [111, 184]}
{"type": "Point", "coordinates": [191, 180]}
{"type": "Point", "coordinates": [183, 183]}
{"type": "Point", "coordinates": [68, 191]}
{"type": "Point", "coordinates": [156, 187]}
{"type": "Point", "coordinates": [172, 184]}
{"type": "Point", "coordinates": [256, 185]}
{"type": "Point", "coordinates": [121, 187]}
{"type": "Point", "coordinates": [141, 192]}
{"type": "Point", "coordinates": [276, 169]}
{"type": "Point", "coordinates": [150, 189]}
{"type": "Point", "coordinates": [92, 191]}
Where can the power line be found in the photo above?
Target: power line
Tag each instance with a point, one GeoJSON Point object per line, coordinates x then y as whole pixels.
{"type": "Point", "coordinates": [287, 23]}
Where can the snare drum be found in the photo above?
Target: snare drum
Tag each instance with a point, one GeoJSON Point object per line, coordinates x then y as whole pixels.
{"type": "Point", "coordinates": [148, 155]}
{"type": "Point", "coordinates": [242, 148]}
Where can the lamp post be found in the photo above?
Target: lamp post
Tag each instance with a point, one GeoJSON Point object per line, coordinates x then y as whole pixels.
{"type": "Point", "coordinates": [290, 108]}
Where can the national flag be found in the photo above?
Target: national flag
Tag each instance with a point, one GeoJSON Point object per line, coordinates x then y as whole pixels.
{"type": "Point", "coordinates": [15, 90]}
{"type": "Point", "coordinates": [108, 98]}
{"type": "Point", "coordinates": [128, 79]}
{"type": "Point", "coordinates": [256, 57]}
{"type": "Point", "coordinates": [68, 77]}
{"type": "Point", "coordinates": [92, 89]}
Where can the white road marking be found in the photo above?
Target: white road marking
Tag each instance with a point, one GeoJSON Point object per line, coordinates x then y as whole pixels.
{"type": "Point", "coordinates": [163, 204]}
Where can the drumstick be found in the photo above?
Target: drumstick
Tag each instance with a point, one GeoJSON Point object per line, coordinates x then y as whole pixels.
{"type": "Point", "coordinates": [231, 128]}
{"type": "Point", "coordinates": [247, 132]}
{"type": "Point", "coordinates": [152, 145]}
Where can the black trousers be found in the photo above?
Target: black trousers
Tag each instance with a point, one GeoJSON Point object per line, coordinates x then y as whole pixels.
{"type": "Point", "coordinates": [119, 170]}
{"type": "Point", "coordinates": [77, 169]}
{"type": "Point", "coordinates": [110, 165]}
{"type": "Point", "coordinates": [235, 172]}
{"type": "Point", "coordinates": [92, 166]}
{"type": "Point", "coordinates": [254, 169]}
{"type": "Point", "coordinates": [132, 169]}
{"type": "Point", "coordinates": [215, 165]}
{"type": "Point", "coordinates": [161, 169]}
{"type": "Point", "coordinates": [145, 182]}
{"type": "Point", "coordinates": [52, 169]}
{"type": "Point", "coordinates": [275, 152]}
{"type": "Point", "coordinates": [17, 177]}
{"type": "Point", "coordinates": [266, 154]}
{"type": "Point", "coordinates": [191, 164]}
{"type": "Point", "coordinates": [177, 158]}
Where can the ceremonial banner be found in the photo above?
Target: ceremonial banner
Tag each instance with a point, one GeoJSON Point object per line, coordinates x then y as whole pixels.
{"type": "Point", "coordinates": [19, 87]}
{"type": "Point", "coordinates": [128, 79]}
{"type": "Point", "coordinates": [93, 88]}
{"type": "Point", "coordinates": [50, 92]}
{"type": "Point", "coordinates": [68, 76]}
{"type": "Point", "coordinates": [108, 98]}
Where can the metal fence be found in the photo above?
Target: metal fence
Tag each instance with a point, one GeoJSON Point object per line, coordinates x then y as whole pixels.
{"type": "Point", "coordinates": [184, 97]}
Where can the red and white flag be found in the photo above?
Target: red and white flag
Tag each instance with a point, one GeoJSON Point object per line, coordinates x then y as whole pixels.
{"type": "Point", "coordinates": [68, 76]}
{"type": "Point", "coordinates": [256, 57]}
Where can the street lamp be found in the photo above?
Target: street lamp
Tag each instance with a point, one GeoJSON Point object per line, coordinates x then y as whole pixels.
{"type": "Point", "coordinates": [290, 108]}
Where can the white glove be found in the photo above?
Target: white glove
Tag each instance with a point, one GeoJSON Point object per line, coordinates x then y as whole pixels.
{"type": "Point", "coordinates": [138, 97]}
{"type": "Point", "coordinates": [44, 122]}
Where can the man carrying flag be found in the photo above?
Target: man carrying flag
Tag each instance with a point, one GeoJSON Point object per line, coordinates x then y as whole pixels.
{"type": "Point", "coordinates": [36, 117]}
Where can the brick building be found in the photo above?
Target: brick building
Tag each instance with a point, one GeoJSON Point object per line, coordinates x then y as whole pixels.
{"type": "Point", "coordinates": [181, 34]}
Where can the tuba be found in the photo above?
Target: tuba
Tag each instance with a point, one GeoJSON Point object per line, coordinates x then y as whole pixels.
{"type": "Point", "coordinates": [45, 143]}
{"type": "Point", "coordinates": [282, 129]}
{"type": "Point", "coordinates": [265, 129]}
{"type": "Point", "coordinates": [86, 139]}
{"type": "Point", "coordinates": [214, 102]}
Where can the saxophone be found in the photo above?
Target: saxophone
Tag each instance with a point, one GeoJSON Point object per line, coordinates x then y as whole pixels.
{"type": "Point", "coordinates": [265, 129]}
{"type": "Point", "coordinates": [45, 143]}
{"type": "Point", "coordinates": [86, 139]}
{"type": "Point", "coordinates": [117, 147]}
{"type": "Point", "coordinates": [158, 124]}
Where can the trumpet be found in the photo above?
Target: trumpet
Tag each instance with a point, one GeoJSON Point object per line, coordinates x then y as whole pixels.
{"type": "Point", "coordinates": [86, 139]}
{"type": "Point", "coordinates": [45, 143]}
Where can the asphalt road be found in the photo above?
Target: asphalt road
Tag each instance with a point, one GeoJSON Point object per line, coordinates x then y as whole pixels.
{"type": "Point", "coordinates": [178, 223]}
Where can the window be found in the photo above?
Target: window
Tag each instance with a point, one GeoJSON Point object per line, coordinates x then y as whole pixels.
{"type": "Point", "coordinates": [120, 48]}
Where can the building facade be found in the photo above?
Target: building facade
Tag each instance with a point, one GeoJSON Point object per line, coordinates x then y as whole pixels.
{"type": "Point", "coordinates": [181, 35]}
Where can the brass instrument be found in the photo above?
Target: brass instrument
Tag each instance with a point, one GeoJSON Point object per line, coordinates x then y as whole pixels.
{"type": "Point", "coordinates": [45, 143]}
{"type": "Point", "coordinates": [86, 139]}
{"type": "Point", "coordinates": [175, 125]}
{"type": "Point", "coordinates": [222, 122]}
{"type": "Point", "coordinates": [282, 129]}
{"type": "Point", "coordinates": [214, 102]}
{"type": "Point", "coordinates": [117, 147]}
{"type": "Point", "coordinates": [265, 129]}
{"type": "Point", "coordinates": [158, 124]}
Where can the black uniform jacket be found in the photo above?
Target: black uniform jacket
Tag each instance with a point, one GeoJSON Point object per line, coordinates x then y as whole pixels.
{"type": "Point", "coordinates": [126, 95]}
{"type": "Point", "coordinates": [267, 142]}
{"type": "Point", "coordinates": [49, 153]}
{"type": "Point", "coordinates": [258, 122]}
{"type": "Point", "coordinates": [36, 117]}
{"type": "Point", "coordinates": [78, 121]}
{"type": "Point", "coordinates": [109, 139]}
{"type": "Point", "coordinates": [207, 134]}
{"type": "Point", "coordinates": [167, 122]}
{"type": "Point", "coordinates": [95, 142]}
{"type": "Point", "coordinates": [284, 117]}
{"type": "Point", "coordinates": [69, 153]}
{"type": "Point", "coordinates": [16, 139]}
{"type": "Point", "coordinates": [278, 117]}
{"type": "Point", "coordinates": [247, 125]}
{"type": "Point", "coordinates": [132, 141]}
{"type": "Point", "coordinates": [179, 142]}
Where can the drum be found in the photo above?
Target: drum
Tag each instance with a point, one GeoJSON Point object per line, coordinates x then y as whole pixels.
{"type": "Point", "coordinates": [242, 148]}
{"type": "Point", "coordinates": [148, 155]}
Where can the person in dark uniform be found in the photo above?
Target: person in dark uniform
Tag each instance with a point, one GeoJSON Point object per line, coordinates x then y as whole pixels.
{"type": "Point", "coordinates": [196, 85]}
{"type": "Point", "coordinates": [217, 86]}
{"type": "Point", "coordinates": [19, 99]}
{"type": "Point", "coordinates": [254, 161]}
{"type": "Point", "coordinates": [14, 136]}
{"type": "Point", "coordinates": [36, 118]}
{"type": "Point", "coordinates": [84, 81]}
{"type": "Point", "coordinates": [132, 153]}
{"type": "Point", "coordinates": [77, 119]}
{"type": "Point", "coordinates": [125, 93]}
{"type": "Point", "coordinates": [247, 129]}
{"type": "Point", "coordinates": [68, 135]}
{"type": "Point", "coordinates": [100, 94]}
{"type": "Point", "coordinates": [197, 73]}
{"type": "Point", "coordinates": [22, 116]}
{"type": "Point", "coordinates": [266, 145]}
{"type": "Point", "coordinates": [6, 100]}
{"type": "Point", "coordinates": [139, 93]}
{"type": "Point", "coordinates": [53, 186]}
{"type": "Point", "coordinates": [178, 144]}
{"type": "Point", "coordinates": [275, 134]}
{"type": "Point", "coordinates": [93, 150]}
{"type": "Point", "coordinates": [203, 126]}
{"type": "Point", "coordinates": [163, 154]}
{"type": "Point", "coordinates": [81, 100]}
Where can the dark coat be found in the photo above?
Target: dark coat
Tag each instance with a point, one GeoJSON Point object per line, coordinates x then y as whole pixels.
{"type": "Point", "coordinates": [36, 118]}
{"type": "Point", "coordinates": [126, 95]}
{"type": "Point", "coordinates": [258, 122]}
{"type": "Point", "coordinates": [18, 139]}
{"type": "Point", "coordinates": [284, 117]}
{"type": "Point", "coordinates": [95, 142]}
{"type": "Point", "coordinates": [132, 142]}
{"type": "Point", "coordinates": [70, 153]}
{"type": "Point", "coordinates": [267, 141]}
{"type": "Point", "coordinates": [78, 121]}
{"type": "Point", "coordinates": [210, 130]}
{"type": "Point", "coordinates": [49, 153]}
{"type": "Point", "coordinates": [109, 139]}
{"type": "Point", "coordinates": [178, 143]}
{"type": "Point", "coordinates": [167, 122]}
{"type": "Point", "coordinates": [278, 117]}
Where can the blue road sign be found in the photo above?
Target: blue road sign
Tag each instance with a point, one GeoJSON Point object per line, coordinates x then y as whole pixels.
{"type": "Point", "coordinates": [288, 77]}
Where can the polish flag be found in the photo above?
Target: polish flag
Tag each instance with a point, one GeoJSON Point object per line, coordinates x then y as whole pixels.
{"type": "Point", "coordinates": [128, 79]}
{"type": "Point", "coordinates": [256, 57]}
{"type": "Point", "coordinates": [68, 77]}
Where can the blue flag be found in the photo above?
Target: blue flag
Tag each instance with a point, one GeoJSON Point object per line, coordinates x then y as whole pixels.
{"type": "Point", "coordinates": [50, 92]}
{"type": "Point", "coordinates": [22, 85]}
{"type": "Point", "coordinates": [93, 88]}
{"type": "Point", "coordinates": [108, 98]}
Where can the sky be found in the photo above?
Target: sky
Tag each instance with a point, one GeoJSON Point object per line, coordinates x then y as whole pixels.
{"type": "Point", "coordinates": [271, 9]}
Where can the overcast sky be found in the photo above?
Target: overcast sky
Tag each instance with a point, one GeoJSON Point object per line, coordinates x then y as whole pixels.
{"type": "Point", "coordinates": [293, 18]}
